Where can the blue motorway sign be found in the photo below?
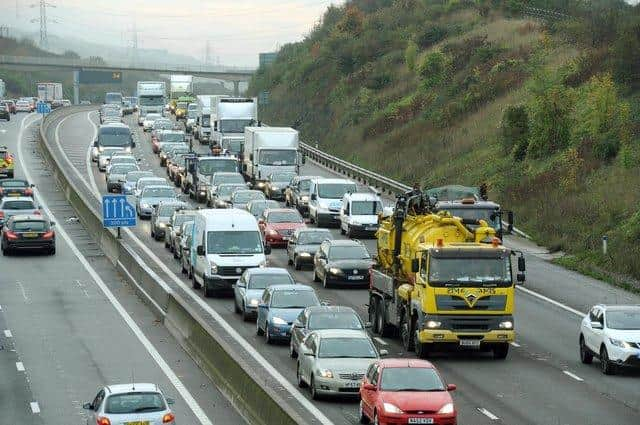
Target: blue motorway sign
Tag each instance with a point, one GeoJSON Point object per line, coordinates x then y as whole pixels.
{"type": "Point", "coordinates": [43, 108]}
{"type": "Point", "coordinates": [117, 211]}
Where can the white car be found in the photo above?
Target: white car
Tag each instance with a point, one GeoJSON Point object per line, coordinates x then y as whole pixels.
{"type": "Point", "coordinates": [148, 121]}
{"type": "Point", "coordinates": [612, 334]}
{"type": "Point", "coordinates": [23, 106]}
{"type": "Point", "coordinates": [359, 214]}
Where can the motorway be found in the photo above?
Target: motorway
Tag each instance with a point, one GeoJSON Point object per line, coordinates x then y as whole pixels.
{"type": "Point", "coordinates": [541, 382]}
{"type": "Point", "coordinates": [69, 325]}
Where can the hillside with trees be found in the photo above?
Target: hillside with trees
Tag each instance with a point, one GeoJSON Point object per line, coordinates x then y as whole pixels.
{"type": "Point", "coordinates": [539, 99]}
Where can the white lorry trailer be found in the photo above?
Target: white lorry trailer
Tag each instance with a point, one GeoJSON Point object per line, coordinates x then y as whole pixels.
{"type": "Point", "coordinates": [180, 85]}
{"type": "Point", "coordinates": [205, 116]}
{"type": "Point", "coordinates": [49, 92]}
{"type": "Point", "coordinates": [232, 115]}
{"type": "Point", "coordinates": [151, 98]}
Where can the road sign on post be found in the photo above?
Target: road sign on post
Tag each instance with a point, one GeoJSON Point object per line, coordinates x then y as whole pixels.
{"type": "Point", "coordinates": [117, 211]}
{"type": "Point", "coordinates": [86, 76]}
{"type": "Point", "coordinates": [43, 108]}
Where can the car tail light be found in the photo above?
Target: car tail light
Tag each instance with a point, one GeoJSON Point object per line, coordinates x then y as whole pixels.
{"type": "Point", "coordinates": [37, 212]}
{"type": "Point", "coordinates": [11, 235]}
{"type": "Point", "coordinates": [48, 235]}
{"type": "Point", "coordinates": [28, 192]}
{"type": "Point", "coordinates": [1, 191]}
{"type": "Point", "coordinates": [168, 418]}
{"type": "Point", "coordinates": [103, 421]}
{"type": "Point", "coordinates": [1, 214]}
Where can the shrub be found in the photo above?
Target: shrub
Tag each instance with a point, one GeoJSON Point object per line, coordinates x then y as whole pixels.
{"type": "Point", "coordinates": [433, 69]}
{"type": "Point", "coordinates": [430, 35]}
{"type": "Point", "coordinates": [550, 121]}
{"type": "Point", "coordinates": [514, 131]}
{"type": "Point", "coordinates": [410, 54]}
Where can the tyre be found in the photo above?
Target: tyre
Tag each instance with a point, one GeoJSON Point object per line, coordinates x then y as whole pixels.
{"type": "Point", "coordinates": [245, 314]}
{"type": "Point", "coordinates": [586, 356]}
{"type": "Point", "coordinates": [292, 352]}
{"type": "Point", "coordinates": [301, 382]}
{"type": "Point", "coordinates": [259, 331]}
{"type": "Point", "coordinates": [325, 282]}
{"type": "Point", "coordinates": [349, 232]}
{"type": "Point", "coordinates": [607, 367]}
{"type": "Point", "coordinates": [406, 332]}
{"type": "Point", "coordinates": [289, 261]}
{"type": "Point", "coordinates": [296, 264]}
{"type": "Point", "coordinates": [208, 292]}
{"type": "Point", "coordinates": [422, 349]}
{"type": "Point", "coordinates": [383, 328]}
{"type": "Point", "coordinates": [52, 251]}
{"type": "Point", "coordinates": [153, 235]}
{"type": "Point", "coordinates": [363, 418]}
{"type": "Point", "coordinates": [175, 252]}
{"type": "Point", "coordinates": [183, 270]}
{"type": "Point", "coordinates": [267, 335]}
{"type": "Point", "coordinates": [236, 307]}
{"type": "Point", "coordinates": [190, 275]}
{"type": "Point", "coordinates": [342, 232]}
{"type": "Point", "coordinates": [312, 387]}
{"type": "Point", "coordinates": [500, 351]}
{"type": "Point", "coordinates": [194, 283]}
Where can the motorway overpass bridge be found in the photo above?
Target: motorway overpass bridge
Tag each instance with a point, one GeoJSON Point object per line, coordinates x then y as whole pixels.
{"type": "Point", "coordinates": [227, 73]}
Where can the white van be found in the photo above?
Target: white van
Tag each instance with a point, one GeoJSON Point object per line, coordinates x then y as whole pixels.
{"type": "Point", "coordinates": [359, 214]}
{"type": "Point", "coordinates": [224, 243]}
{"type": "Point", "coordinates": [325, 200]}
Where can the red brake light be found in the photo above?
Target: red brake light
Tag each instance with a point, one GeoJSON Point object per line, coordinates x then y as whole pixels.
{"type": "Point", "coordinates": [11, 235]}
{"type": "Point", "coordinates": [28, 191]}
{"type": "Point", "coordinates": [48, 235]}
{"type": "Point", "coordinates": [37, 212]}
{"type": "Point", "coordinates": [169, 417]}
{"type": "Point", "coordinates": [103, 421]}
{"type": "Point", "coordinates": [1, 214]}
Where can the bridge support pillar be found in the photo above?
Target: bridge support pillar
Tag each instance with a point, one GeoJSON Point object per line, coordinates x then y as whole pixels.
{"type": "Point", "coordinates": [236, 88]}
{"type": "Point", "coordinates": [76, 87]}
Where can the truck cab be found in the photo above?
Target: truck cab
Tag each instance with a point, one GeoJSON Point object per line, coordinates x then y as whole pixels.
{"type": "Point", "coordinates": [359, 214]}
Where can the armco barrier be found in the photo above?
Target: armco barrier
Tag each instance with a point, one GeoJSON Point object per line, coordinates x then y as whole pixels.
{"type": "Point", "coordinates": [210, 348]}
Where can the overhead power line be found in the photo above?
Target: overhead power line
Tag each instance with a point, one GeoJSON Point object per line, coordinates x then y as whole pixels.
{"type": "Point", "coordinates": [44, 42]}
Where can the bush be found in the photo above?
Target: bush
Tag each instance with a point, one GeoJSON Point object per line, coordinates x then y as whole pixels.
{"type": "Point", "coordinates": [514, 131]}
{"type": "Point", "coordinates": [410, 54]}
{"type": "Point", "coordinates": [550, 112]}
{"type": "Point", "coordinates": [430, 35]}
{"type": "Point", "coordinates": [434, 69]}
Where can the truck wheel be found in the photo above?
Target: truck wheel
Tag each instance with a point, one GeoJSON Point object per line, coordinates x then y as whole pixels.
{"type": "Point", "coordinates": [500, 351]}
{"type": "Point", "coordinates": [422, 349]}
{"type": "Point", "coordinates": [383, 327]}
{"type": "Point", "coordinates": [373, 307]}
{"type": "Point", "coordinates": [406, 332]}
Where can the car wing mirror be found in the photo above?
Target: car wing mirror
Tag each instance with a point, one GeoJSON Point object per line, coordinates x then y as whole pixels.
{"type": "Point", "coordinates": [87, 406]}
{"type": "Point", "coordinates": [451, 387]}
{"type": "Point", "coordinates": [368, 325]}
{"type": "Point", "coordinates": [384, 353]}
{"type": "Point", "coordinates": [596, 325]}
{"type": "Point", "coordinates": [200, 250]}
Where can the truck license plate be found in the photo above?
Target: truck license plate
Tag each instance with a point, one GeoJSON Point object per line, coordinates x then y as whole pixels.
{"type": "Point", "coordinates": [474, 343]}
{"type": "Point", "coordinates": [420, 420]}
{"type": "Point", "coordinates": [360, 277]}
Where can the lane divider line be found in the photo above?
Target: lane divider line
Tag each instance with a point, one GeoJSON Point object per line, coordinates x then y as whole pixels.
{"type": "Point", "coordinates": [162, 364]}
{"type": "Point", "coordinates": [35, 407]}
{"type": "Point", "coordinates": [515, 344]}
{"type": "Point", "coordinates": [20, 366]}
{"type": "Point", "coordinates": [246, 345]}
{"type": "Point", "coordinates": [551, 301]}
{"type": "Point", "coordinates": [488, 414]}
{"type": "Point", "coordinates": [573, 375]}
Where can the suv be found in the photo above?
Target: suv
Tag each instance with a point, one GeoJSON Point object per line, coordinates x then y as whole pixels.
{"type": "Point", "coordinates": [359, 214]}
{"type": "Point", "coordinates": [612, 334]}
{"type": "Point", "coordinates": [342, 261]}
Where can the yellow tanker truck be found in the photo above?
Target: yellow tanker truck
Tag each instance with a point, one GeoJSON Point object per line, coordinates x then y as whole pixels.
{"type": "Point", "coordinates": [442, 282]}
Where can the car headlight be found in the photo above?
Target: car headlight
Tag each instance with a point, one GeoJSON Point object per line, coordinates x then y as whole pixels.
{"type": "Point", "coordinates": [391, 408]}
{"type": "Point", "coordinates": [271, 232]}
{"type": "Point", "coordinates": [145, 205]}
{"type": "Point", "coordinates": [619, 343]}
{"type": "Point", "coordinates": [214, 268]}
{"type": "Point", "coordinates": [433, 324]}
{"type": "Point", "coordinates": [274, 187]}
{"type": "Point", "coordinates": [101, 149]}
{"type": "Point", "coordinates": [304, 254]}
{"type": "Point", "coordinates": [127, 149]}
{"type": "Point", "coordinates": [278, 321]}
{"type": "Point", "coordinates": [447, 409]}
{"type": "Point", "coordinates": [260, 184]}
{"type": "Point", "coordinates": [304, 198]}
{"type": "Point", "coordinates": [335, 270]}
{"type": "Point", "coordinates": [507, 324]}
{"type": "Point", "coordinates": [254, 302]}
{"type": "Point", "coordinates": [326, 373]}
{"type": "Point", "coordinates": [162, 225]}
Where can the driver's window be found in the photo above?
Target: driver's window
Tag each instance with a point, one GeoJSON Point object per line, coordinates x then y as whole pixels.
{"type": "Point", "coordinates": [98, 400]}
{"type": "Point", "coordinates": [593, 314]}
{"type": "Point", "coordinates": [423, 265]}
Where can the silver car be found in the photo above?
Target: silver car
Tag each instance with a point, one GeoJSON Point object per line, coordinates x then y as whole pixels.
{"type": "Point", "coordinates": [117, 175]}
{"type": "Point", "coordinates": [103, 156]}
{"type": "Point", "coordinates": [174, 230]}
{"type": "Point", "coordinates": [18, 205]}
{"type": "Point", "coordinates": [185, 248]}
{"type": "Point", "coordinates": [257, 207]}
{"type": "Point", "coordinates": [149, 181]}
{"type": "Point", "coordinates": [148, 120]}
{"type": "Point", "coordinates": [161, 217]}
{"type": "Point", "coordinates": [334, 361]}
{"type": "Point", "coordinates": [222, 198]}
{"type": "Point", "coordinates": [151, 196]}
{"type": "Point", "coordinates": [131, 180]}
{"type": "Point", "coordinates": [240, 198]}
{"type": "Point", "coordinates": [223, 178]}
{"type": "Point", "coordinates": [135, 403]}
{"type": "Point", "coordinates": [118, 158]}
{"type": "Point", "coordinates": [248, 290]}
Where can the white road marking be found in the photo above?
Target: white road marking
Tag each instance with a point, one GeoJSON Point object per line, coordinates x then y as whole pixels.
{"type": "Point", "coordinates": [572, 375]}
{"type": "Point", "coordinates": [162, 364]}
{"type": "Point", "coordinates": [550, 301]}
{"type": "Point", "coordinates": [35, 407]}
{"type": "Point", "coordinates": [216, 316]}
{"type": "Point", "coordinates": [515, 344]}
{"type": "Point", "coordinates": [20, 366]}
{"type": "Point", "coordinates": [82, 288]}
{"type": "Point", "coordinates": [488, 414]}
{"type": "Point", "coordinates": [24, 293]}
{"type": "Point", "coordinates": [380, 340]}
{"type": "Point", "coordinates": [0, 308]}
{"type": "Point", "coordinates": [8, 334]}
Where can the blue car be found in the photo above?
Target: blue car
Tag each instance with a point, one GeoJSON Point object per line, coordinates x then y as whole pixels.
{"type": "Point", "coordinates": [248, 290]}
{"type": "Point", "coordinates": [279, 307]}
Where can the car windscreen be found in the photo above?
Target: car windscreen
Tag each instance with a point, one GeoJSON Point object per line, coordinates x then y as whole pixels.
{"type": "Point", "coordinates": [467, 271]}
{"type": "Point", "coordinates": [137, 175]}
{"type": "Point", "coordinates": [192, 114]}
{"type": "Point", "coordinates": [331, 320]}
{"type": "Point", "coordinates": [18, 205]}
{"type": "Point", "coordinates": [354, 252]}
{"type": "Point", "coordinates": [13, 183]}
{"type": "Point", "coordinates": [227, 190]}
{"type": "Point", "coordinates": [206, 121]}
{"type": "Point", "coordinates": [172, 137]}
{"type": "Point", "coordinates": [211, 166]}
{"type": "Point", "coordinates": [167, 210]}
{"type": "Point", "coordinates": [346, 347]}
{"type": "Point", "coordinates": [335, 190]}
{"type": "Point", "coordinates": [162, 125]}
{"type": "Point", "coordinates": [234, 126]}
{"type": "Point", "coordinates": [115, 136]}
{"type": "Point", "coordinates": [122, 168]}
{"type": "Point", "coordinates": [234, 146]}
{"type": "Point", "coordinates": [277, 157]}
{"type": "Point", "coordinates": [487, 214]}
{"type": "Point", "coordinates": [246, 196]}
{"type": "Point", "coordinates": [181, 218]}
{"type": "Point", "coordinates": [227, 178]}
{"type": "Point", "coordinates": [234, 242]}
{"type": "Point", "coordinates": [282, 177]}
{"type": "Point", "coordinates": [151, 182]}
{"type": "Point", "coordinates": [158, 192]}
{"type": "Point", "coordinates": [623, 320]}
{"type": "Point", "coordinates": [30, 226]}
{"type": "Point", "coordinates": [261, 281]}
{"type": "Point", "coordinates": [134, 402]}
{"type": "Point", "coordinates": [284, 217]}
{"type": "Point", "coordinates": [257, 208]}
{"type": "Point", "coordinates": [311, 238]}
{"type": "Point", "coordinates": [113, 98]}
{"type": "Point", "coordinates": [108, 151]}
{"type": "Point", "coordinates": [304, 185]}
{"type": "Point", "coordinates": [291, 298]}
{"type": "Point", "coordinates": [366, 207]}
{"type": "Point", "coordinates": [151, 100]}
{"type": "Point", "coordinates": [410, 379]}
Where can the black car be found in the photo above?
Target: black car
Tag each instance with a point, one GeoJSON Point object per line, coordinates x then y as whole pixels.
{"type": "Point", "coordinates": [4, 112]}
{"type": "Point", "coordinates": [303, 245]}
{"type": "Point", "coordinates": [342, 262]}
{"type": "Point", "coordinates": [297, 193]}
{"type": "Point", "coordinates": [28, 233]}
{"type": "Point", "coordinates": [15, 187]}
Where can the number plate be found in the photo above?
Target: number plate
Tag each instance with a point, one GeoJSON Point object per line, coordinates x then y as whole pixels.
{"type": "Point", "coordinates": [30, 235]}
{"type": "Point", "coordinates": [355, 277]}
{"type": "Point", "coordinates": [371, 228]}
{"type": "Point", "coordinates": [15, 194]}
{"type": "Point", "coordinates": [420, 420]}
{"type": "Point", "coordinates": [474, 343]}
{"type": "Point", "coordinates": [354, 384]}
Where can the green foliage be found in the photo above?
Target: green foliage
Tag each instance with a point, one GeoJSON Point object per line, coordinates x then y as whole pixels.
{"type": "Point", "coordinates": [430, 35]}
{"type": "Point", "coordinates": [550, 112]}
{"type": "Point", "coordinates": [514, 131]}
{"type": "Point", "coordinates": [626, 54]}
{"type": "Point", "coordinates": [434, 69]}
{"type": "Point", "coordinates": [410, 54]}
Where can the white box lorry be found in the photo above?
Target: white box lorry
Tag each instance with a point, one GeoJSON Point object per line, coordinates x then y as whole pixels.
{"type": "Point", "coordinates": [49, 92]}
{"type": "Point", "coordinates": [233, 114]}
{"type": "Point", "coordinates": [151, 98]}
{"type": "Point", "coordinates": [205, 116]}
{"type": "Point", "coordinates": [268, 150]}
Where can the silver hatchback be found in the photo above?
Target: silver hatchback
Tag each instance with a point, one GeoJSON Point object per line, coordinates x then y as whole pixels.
{"type": "Point", "coordinates": [17, 205]}
{"type": "Point", "coordinates": [130, 404]}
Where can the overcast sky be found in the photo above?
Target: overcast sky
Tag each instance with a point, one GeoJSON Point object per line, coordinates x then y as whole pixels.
{"type": "Point", "coordinates": [237, 30]}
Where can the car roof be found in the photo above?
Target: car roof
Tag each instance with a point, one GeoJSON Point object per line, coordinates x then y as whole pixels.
{"type": "Point", "coordinates": [345, 242]}
{"type": "Point", "coordinates": [28, 217]}
{"type": "Point", "coordinates": [153, 186]}
{"type": "Point", "coordinates": [18, 198]}
{"type": "Point", "coordinates": [133, 387]}
{"type": "Point", "coordinates": [267, 270]}
{"type": "Point", "coordinates": [408, 362]}
{"type": "Point", "coordinates": [226, 173]}
{"type": "Point", "coordinates": [363, 196]}
{"type": "Point", "coordinates": [249, 190]}
{"type": "Point", "coordinates": [332, 180]}
{"type": "Point", "coordinates": [13, 180]}
{"type": "Point", "coordinates": [619, 307]}
{"type": "Point", "coordinates": [341, 333]}
{"type": "Point", "coordinates": [330, 309]}
{"type": "Point", "coordinates": [150, 178]}
{"type": "Point", "coordinates": [270, 210]}
{"type": "Point", "coordinates": [290, 287]}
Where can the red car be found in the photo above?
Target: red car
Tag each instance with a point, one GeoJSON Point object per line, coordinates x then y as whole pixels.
{"type": "Point", "coordinates": [406, 391]}
{"type": "Point", "coordinates": [278, 224]}
{"type": "Point", "coordinates": [11, 105]}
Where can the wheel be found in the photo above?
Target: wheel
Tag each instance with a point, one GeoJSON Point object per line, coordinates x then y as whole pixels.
{"type": "Point", "coordinates": [236, 307]}
{"type": "Point", "coordinates": [267, 335]}
{"type": "Point", "coordinates": [245, 314]}
{"type": "Point", "coordinates": [301, 382]}
{"type": "Point", "coordinates": [296, 264]}
{"type": "Point", "coordinates": [311, 219]}
{"type": "Point", "coordinates": [325, 282]}
{"type": "Point", "coordinates": [606, 366]}
{"type": "Point", "coordinates": [312, 387]}
{"type": "Point", "coordinates": [52, 251]}
{"type": "Point", "coordinates": [289, 261]}
{"type": "Point", "coordinates": [383, 327]}
{"type": "Point", "coordinates": [10, 174]}
{"type": "Point", "coordinates": [363, 418]}
{"type": "Point", "coordinates": [500, 351]}
{"type": "Point", "coordinates": [315, 276]}
{"type": "Point", "coordinates": [342, 232]}
{"type": "Point", "coordinates": [183, 269]}
{"type": "Point", "coordinates": [194, 283]}
{"type": "Point", "coordinates": [373, 307]}
{"type": "Point", "coordinates": [292, 352]}
{"type": "Point", "coordinates": [349, 232]}
{"type": "Point", "coordinates": [166, 244]}
{"type": "Point", "coordinates": [153, 234]}
{"type": "Point", "coordinates": [6, 252]}
{"type": "Point", "coordinates": [422, 349]}
{"type": "Point", "coordinates": [190, 275]}
{"type": "Point", "coordinates": [175, 252]}
{"type": "Point", "coordinates": [586, 356]}
{"type": "Point", "coordinates": [406, 332]}
{"type": "Point", "coordinates": [208, 292]}
{"type": "Point", "coordinates": [259, 331]}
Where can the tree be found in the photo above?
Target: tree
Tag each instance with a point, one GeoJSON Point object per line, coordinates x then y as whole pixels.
{"type": "Point", "coordinates": [550, 121]}
{"type": "Point", "coordinates": [352, 21]}
{"type": "Point", "coordinates": [514, 131]}
{"type": "Point", "coordinates": [410, 54]}
{"type": "Point", "coordinates": [434, 69]}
